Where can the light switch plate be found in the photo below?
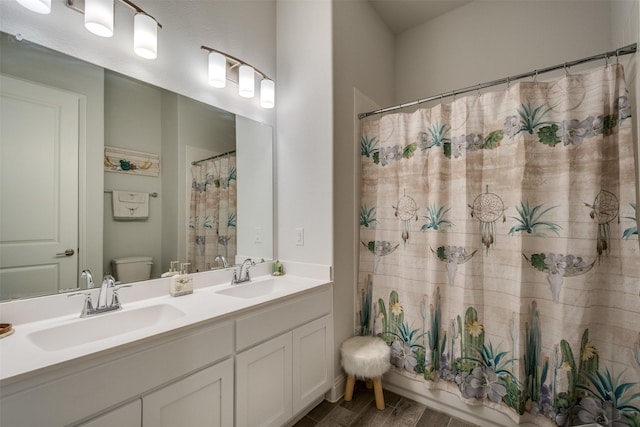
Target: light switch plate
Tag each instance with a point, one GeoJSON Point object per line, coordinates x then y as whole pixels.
{"type": "Point", "coordinates": [299, 236]}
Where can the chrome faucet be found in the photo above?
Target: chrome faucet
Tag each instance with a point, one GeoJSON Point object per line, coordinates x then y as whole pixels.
{"type": "Point", "coordinates": [104, 304]}
{"type": "Point", "coordinates": [86, 274]}
{"type": "Point", "coordinates": [108, 282]}
{"type": "Point", "coordinates": [225, 264]}
{"type": "Point", "coordinates": [245, 267]}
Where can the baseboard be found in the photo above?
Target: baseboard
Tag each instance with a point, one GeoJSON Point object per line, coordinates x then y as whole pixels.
{"type": "Point", "coordinates": [337, 390]}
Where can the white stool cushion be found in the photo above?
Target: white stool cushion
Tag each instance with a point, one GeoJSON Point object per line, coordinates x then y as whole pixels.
{"type": "Point", "coordinates": [365, 357]}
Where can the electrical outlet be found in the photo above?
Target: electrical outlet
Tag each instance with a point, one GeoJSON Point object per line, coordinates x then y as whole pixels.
{"type": "Point", "coordinates": [258, 235]}
{"type": "Point", "coordinates": [300, 236]}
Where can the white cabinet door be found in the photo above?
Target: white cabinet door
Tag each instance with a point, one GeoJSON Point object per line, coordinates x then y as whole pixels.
{"type": "Point", "coordinates": [311, 362]}
{"type": "Point", "coordinates": [129, 415]}
{"type": "Point", "coordinates": [202, 399]}
{"type": "Point", "coordinates": [263, 384]}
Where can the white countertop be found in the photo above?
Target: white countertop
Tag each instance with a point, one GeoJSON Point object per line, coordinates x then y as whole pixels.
{"type": "Point", "coordinates": [19, 355]}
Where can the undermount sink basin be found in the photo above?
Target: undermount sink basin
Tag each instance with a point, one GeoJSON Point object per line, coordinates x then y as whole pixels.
{"type": "Point", "coordinates": [107, 325]}
{"type": "Point", "coordinates": [258, 289]}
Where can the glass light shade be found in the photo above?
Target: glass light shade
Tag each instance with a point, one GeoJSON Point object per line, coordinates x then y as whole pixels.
{"type": "Point", "coordinates": [217, 70]}
{"type": "Point", "coordinates": [98, 17]}
{"type": "Point", "coordinates": [145, 36]}
{"type": "Point", "coordinates": [37, 6]}
{"type": "Point", "coordinates": [267, 93]}
{"type": "Point", "coordinates": [246, 81]}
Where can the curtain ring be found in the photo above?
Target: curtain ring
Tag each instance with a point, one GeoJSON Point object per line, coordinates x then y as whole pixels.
{"type": "Point", "coordinates": [535, 77]}
{"type": "Point", "coordinates": [606, 59]}
{"type": "Point", "coordinates": [508, 83]}
{"type": "Point", "coordinates": [478, 94]}
{"type": "Point", "coordinates": [617, 56]}
{"type": "Point", "coordinates": [566, 70]}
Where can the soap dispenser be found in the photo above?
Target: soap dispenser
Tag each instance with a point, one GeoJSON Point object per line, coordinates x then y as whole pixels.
{"type": "Point", "coordinates": [182, 283]}
{"type": "Point", "coordinates": [173, 270]}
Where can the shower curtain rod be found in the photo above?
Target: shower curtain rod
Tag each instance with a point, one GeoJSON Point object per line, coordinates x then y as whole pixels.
{"type": "Point", "coordinates": [626, 50]}
{"type": "Point", "coordinates": [213, 157]}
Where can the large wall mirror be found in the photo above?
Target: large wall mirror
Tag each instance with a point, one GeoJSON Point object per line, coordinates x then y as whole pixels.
{"type": "Point", "coordinates": [71, 129]}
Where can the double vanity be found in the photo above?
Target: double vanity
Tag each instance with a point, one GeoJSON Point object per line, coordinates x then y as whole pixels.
{"type": "Point", "coordinates": [252, 354]}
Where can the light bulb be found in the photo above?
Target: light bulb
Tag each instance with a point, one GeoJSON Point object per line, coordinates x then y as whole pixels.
{"type": "Point", "coordinates": [246, 82]}
{"type": "Point", "coordinates": [98, 17]}
{"type": "Point", "coordinates": [267, 93]}
{"type": "Point", "coordinates": [38, 6]}
{"type": "Point", "coordinates": [217, 70]}
{"type": "Point", "coordinates": [145, 36]}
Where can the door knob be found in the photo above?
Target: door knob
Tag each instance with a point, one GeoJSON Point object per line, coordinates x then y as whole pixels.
{"type": "Point", "coordinates": [68, 252]}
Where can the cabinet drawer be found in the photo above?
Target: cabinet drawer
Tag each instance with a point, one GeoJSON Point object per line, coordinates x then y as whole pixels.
{"type": "Point", "coordinates": [273, 320]}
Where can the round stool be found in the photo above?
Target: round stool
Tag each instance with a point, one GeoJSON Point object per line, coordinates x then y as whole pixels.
{"type": "Point", "coordinates": [365, 358]}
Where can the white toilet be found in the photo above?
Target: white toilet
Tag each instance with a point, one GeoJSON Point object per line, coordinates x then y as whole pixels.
{"type": "Point", "coordinates": [131, 269]}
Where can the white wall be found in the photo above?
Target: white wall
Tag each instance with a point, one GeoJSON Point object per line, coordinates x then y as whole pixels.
{"type": "Point", "coordinates": [363, 52]}
{"type": "Point", "coordinates": [304, 150]}
{"type": "Point", "coordinates": [488, 40]}
{"type": "Point", "coordinates": [255, 207]}
{"type": "Point", "coordinates": [125, 98]}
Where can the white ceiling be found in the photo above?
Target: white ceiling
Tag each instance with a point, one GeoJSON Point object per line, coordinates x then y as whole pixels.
{"type": "Point", "coordinates": [401, 15]}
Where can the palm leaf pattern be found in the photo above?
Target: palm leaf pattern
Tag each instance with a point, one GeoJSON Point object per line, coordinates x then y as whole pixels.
{"type": "Point", "coordinates": [531, 118]}
{"type": "Point", "coordinates": [631, 230]}
{"type": "Point", "coordinates": [368, 146]}
{"type": "Point", "coordinates": [490, 358]}
{"type": "Point", "coordinates": [435, 218]}
{"type": "Point", "coordinates": [367, 216]}
{"type": "Point", "coordinates": [530, 220]}
{"type": "Point", "coordinates": [437, 136]}
{"type": "Point", "coordinates": [604, 387]}
{"type": "Point", "coordinates": [408, 336]}
{"type": "Point", "coordinates": [231, 219]}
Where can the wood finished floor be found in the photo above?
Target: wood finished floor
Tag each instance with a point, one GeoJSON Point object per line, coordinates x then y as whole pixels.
{"type": "Point", "coordinates": [361, 412]}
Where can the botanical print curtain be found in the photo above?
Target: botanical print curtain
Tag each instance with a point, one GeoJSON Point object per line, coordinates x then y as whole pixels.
{"type": "Point", "coordinates": [499, 250]}
{"type": "Point", "coordinates": [212, 220]}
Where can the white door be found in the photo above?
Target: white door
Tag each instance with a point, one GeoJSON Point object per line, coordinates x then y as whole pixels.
{"type": "Point", "coordinates": [38, 189]}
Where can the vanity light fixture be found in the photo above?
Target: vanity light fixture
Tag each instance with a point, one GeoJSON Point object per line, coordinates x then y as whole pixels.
{"type": "Point", "coordinates": [223, 67]}
{"type": "Point", "coordinates": [246, 81]}
{"type": "Point", "coordinates": [267, 93]}
{"type": "Point", "coordinates": [38, 6]}
{"type": "Point", "coordinates": [98, 18]}
{"type": "Point", "coordinates": [217, 70]}
{"type": "Point", "coordinates": [145, 36]}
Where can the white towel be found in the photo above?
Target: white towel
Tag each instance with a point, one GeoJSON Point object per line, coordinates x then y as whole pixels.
{"type": "Point", "coordinates": [130, 205]}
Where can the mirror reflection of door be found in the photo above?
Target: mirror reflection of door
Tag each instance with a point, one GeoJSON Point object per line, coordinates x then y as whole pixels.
{"type": "Point", "coordinates": [39, 134]}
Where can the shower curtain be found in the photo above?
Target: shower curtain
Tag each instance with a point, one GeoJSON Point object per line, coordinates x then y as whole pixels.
{"type": "Point", "coordinates": [499, 248]}
{"type": "Point", "coordinates": [213, 207]}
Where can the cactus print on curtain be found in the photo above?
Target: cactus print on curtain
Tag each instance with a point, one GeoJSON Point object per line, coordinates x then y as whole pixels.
{"type": "Point", "coordinates": [499, 253]}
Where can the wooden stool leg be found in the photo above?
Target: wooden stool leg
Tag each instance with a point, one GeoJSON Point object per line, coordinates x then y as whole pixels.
{"type": "Point", "coordinates": [377, 391]}
{"type": "Point", "coordinates": [369, 384]}
{"type": "Point", "coordinates": [348, 392]}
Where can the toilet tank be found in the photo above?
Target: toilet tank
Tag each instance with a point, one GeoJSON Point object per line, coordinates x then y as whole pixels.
{"type": "Point", "coordinates": [132, 269]}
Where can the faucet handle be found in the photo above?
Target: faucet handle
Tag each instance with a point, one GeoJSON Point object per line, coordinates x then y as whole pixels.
{"type": "Point", "coordinates": [115, 300]}
{"type": "Point", "coordinates": [87, 306]}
